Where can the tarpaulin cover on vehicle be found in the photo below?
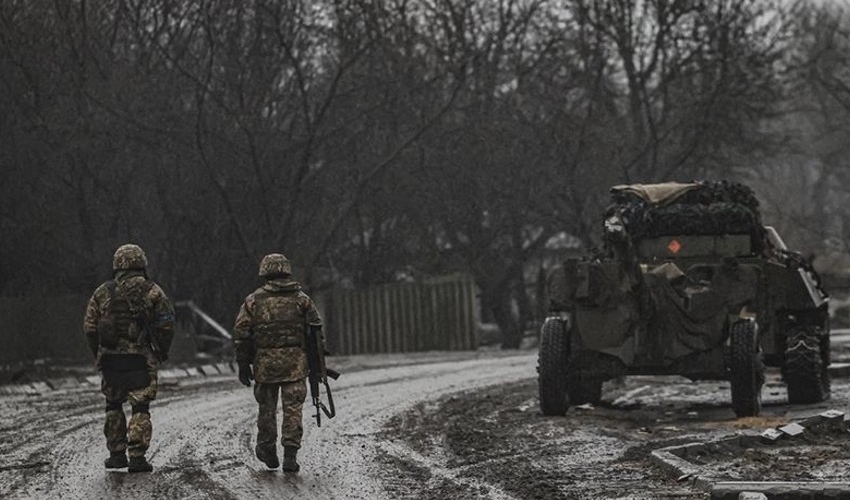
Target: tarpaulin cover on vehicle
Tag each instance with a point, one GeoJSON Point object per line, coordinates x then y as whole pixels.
{"type": "Point", "coordinates": [689, 317]}
{"type": "Point", "coordinates": [698, 208]}
{"type": "Point", "coordinates": [684, 308]}
{"type": "Point", "coordinates": [686, 316]}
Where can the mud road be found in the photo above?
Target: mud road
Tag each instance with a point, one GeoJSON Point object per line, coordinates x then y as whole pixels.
{"type": "Point", "coordinates": [52, 445]}
{"type": "Point", "coordinates": [445, 426]}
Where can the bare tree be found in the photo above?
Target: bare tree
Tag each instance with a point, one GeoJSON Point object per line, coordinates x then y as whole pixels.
{"type": "Point", "coordinates": [811, 169]}
{"type": "Point", "coordinates": [367, 140]}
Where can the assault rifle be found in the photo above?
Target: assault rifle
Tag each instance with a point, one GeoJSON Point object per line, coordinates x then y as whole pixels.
{"type": "Point", "coordinates": [318, 373]}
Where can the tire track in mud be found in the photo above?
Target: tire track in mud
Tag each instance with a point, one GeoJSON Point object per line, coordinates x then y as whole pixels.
{"type": "Point", "coordinates": [204, 435]}
{"type": "Point", "coordinates": [494, 443]}
{"type": "Point", "coordinates": [64, 428]}
{"type": "Point", "coordinates": [38, 428]}
{"type": "Point", "coordinates": [432, 474]}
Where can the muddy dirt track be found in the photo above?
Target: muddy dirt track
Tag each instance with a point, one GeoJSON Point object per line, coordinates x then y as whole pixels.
{"type": "Point", "coordinates": [448, 426]}
{"type": "Point", "coordinates": [52, 445]}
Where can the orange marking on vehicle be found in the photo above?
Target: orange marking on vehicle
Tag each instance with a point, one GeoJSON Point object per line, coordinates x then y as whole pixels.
{"type": "Point", "coordinates": [674, 246]}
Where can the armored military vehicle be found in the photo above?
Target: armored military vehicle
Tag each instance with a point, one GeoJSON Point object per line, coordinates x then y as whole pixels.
{"type": "Point", "coordinates": [687, 282]}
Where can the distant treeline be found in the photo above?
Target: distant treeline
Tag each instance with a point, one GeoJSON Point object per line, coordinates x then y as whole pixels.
{"type": "Point", "coordinates": [374, 141]}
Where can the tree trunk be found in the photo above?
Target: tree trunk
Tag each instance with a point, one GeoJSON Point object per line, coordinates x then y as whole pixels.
{"type": "Point", "coordinates": [498, 300]}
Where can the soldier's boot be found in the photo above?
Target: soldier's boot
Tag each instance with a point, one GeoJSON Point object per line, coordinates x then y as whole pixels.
{"type": "Point", "coordinates": [116, 460]}
{"type": "Point", "coordinates": [139, 464]}
{"type": "Point", "coordinates": [268, 456]}
{"type": "Point", "coordinates": [289, 462]}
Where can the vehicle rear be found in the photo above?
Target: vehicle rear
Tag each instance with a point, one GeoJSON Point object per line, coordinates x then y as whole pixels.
{"type": "Point", "coordinates": [695, 287]}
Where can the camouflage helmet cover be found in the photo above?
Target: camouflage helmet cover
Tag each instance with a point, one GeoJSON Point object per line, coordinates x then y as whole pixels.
{"type": "Point", "coordinates": [129, 256]}
{"type": "Point", "coordinates": [275, 264]}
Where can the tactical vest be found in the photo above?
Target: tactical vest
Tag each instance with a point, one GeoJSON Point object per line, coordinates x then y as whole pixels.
{"type": "Point", "coordinates": [124, 308]}
{"type": "Point", "coordinates": [286, 326]}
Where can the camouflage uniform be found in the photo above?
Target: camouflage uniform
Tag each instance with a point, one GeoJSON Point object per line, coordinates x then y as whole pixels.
{"type": "Point", "coordinates": [118, 314]}
{"type": "Point", "coordinates": [270, 335]}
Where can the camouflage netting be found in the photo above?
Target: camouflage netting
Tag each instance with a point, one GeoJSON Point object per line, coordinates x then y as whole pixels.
{"type": "Point", "coordinates": [712, 207]}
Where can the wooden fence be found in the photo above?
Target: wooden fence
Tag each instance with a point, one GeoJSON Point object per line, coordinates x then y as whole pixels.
{"type": "Point", "coordinates": [437, 314]}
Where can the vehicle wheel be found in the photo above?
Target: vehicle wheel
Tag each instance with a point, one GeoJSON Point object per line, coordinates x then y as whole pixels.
{"type": "Point", "coordinates": [746, 370]}
{"type": "Point", "coordinates": [552, 367]}
{"type": "Point", "coordinates": [585, 391]}
{"type": "Point", "coordinates": [805, 371]}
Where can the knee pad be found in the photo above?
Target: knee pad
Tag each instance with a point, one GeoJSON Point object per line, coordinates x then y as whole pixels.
{"type": "Point", "coordinates": [142, 408]}
{"type": "Point", "coordinates": [114, 406]}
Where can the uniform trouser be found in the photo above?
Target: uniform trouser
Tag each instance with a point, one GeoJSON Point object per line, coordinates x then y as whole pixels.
{"type": "Point", "coordinates": [135, 437]}
{"type": "Point", "coordinates": [292, 395]}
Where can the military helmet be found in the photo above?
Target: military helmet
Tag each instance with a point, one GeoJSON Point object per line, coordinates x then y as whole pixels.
{"type": "Point", "coordinates": [275, 264]}
{"type": "Point", "coordinates": [129, 256]}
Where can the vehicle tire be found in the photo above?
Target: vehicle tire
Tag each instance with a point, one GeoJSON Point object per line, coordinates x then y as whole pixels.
{"type": "Point", "coordinates": [805, 371]}
{"type": "Point", "coordinates": [552, 366]}
{"type": "Point", "coordinates": [746, 370]}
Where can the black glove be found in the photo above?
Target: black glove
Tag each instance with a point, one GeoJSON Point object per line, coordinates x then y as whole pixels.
{"type": "Point", "coordinates": [245, 374]}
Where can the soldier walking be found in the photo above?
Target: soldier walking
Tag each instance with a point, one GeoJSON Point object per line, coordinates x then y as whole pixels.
{"type": "Point", "coordinates": [270, 336]}
{"type": "Point", "coordinates": [129, 328]}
